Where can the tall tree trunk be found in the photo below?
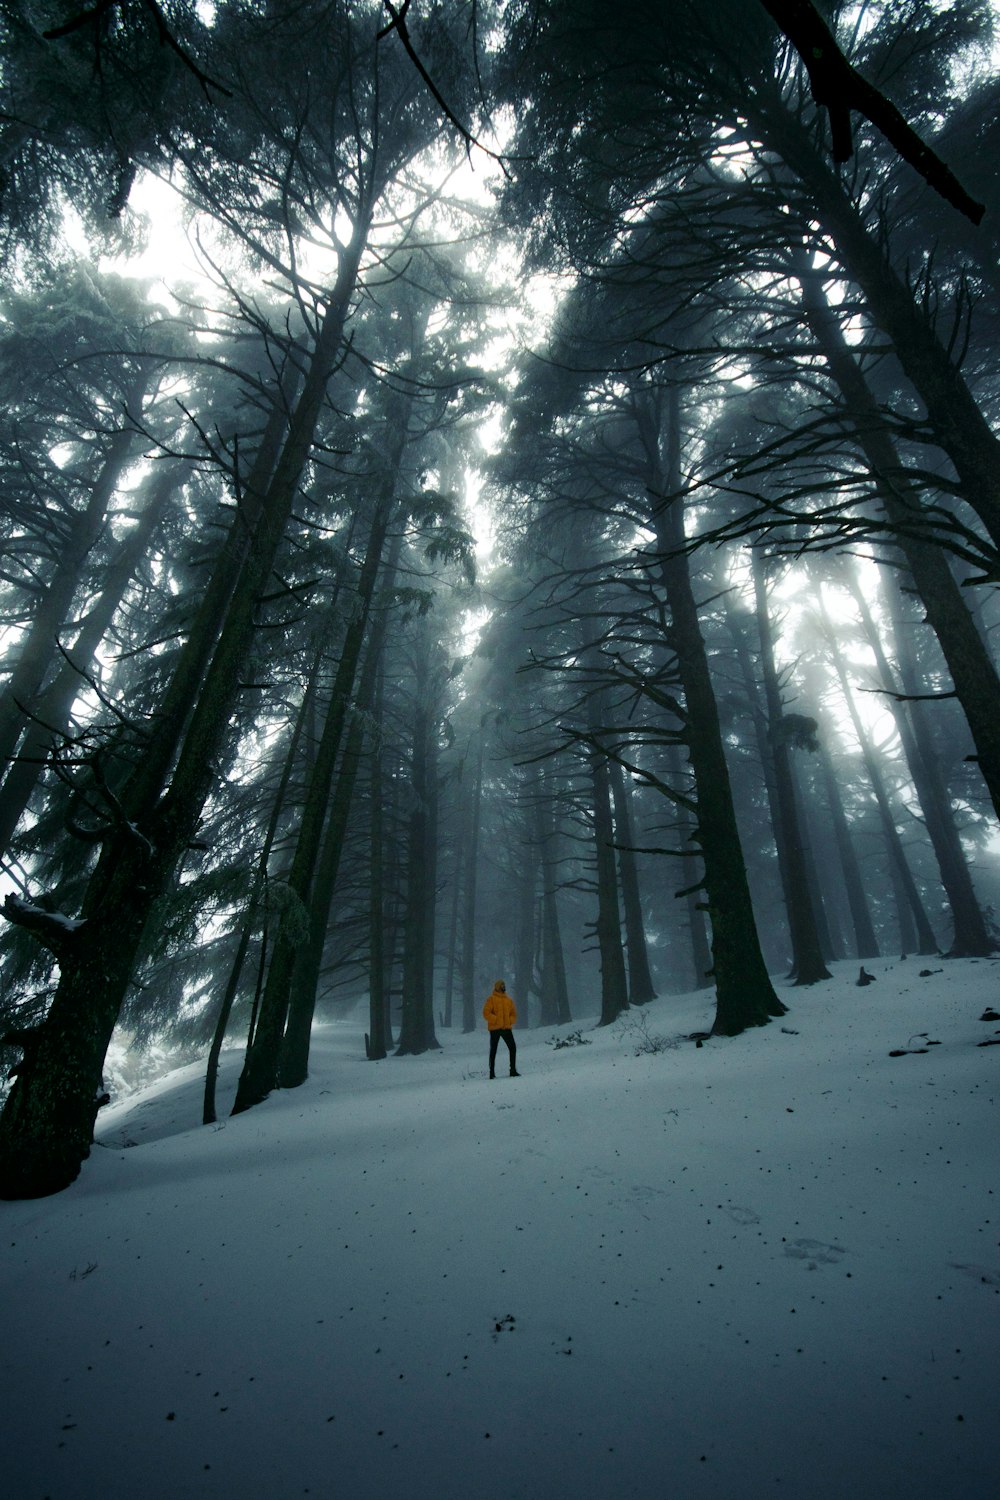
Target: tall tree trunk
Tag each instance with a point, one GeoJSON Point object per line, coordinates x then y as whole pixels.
{"type": "Point", "coordinates": [471, 861]}
{"type": "Point", "coordinates": [745, 995]}
{"type": "Point", "coordinates": [926, 942]}
{"type": "Point", "coordinates": [379, 1038]}
{"type": "Point", "coordinates": [430, 892]}
{"type": "Point", "coordinates": [908, 939]}
{"type": "Point", "coordinates": [608, 927]}
{"type": "Point", "coordinates": [392, 891]}
{"type": "Point", "coordinates": [739, 629]}
{"type": "Point", "coordinates": [416, 1032]}
{"type": "Point", "coordinates": [261, 1069]}
{"type": "Point", "coordinates": [640, 980]}
{"type": "Point", "coordinates": [293, 1061]}
{"type": "Point", "coordinates": [700, 950]}
{"type": "Point", "coordinates": [256, 891]}
{"type": "Point", "coordinates": [831, 936]}
{"type": "Point", "coordinates": [807, 953]}
{"type": "Point", "coordinates": [524, 943]}
{"type": "Point", "coordinates": [47, 1124]}
{"type": "Point", "coordinates": [553, 993]}
{"type": "Point", "coordinates": [971, 938]}
{"type": "Point", "coordinates": [865, 942]}
{"type": "Point", "coordinates": [451, 970]}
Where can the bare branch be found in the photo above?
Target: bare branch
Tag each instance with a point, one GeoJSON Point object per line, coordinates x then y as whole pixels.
{"type": "Point", "coordinates": [399, 26]}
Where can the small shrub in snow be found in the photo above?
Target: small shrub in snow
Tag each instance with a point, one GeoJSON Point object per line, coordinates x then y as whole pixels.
{"type": "Point", "coordinates": [571, 1039]}
{"type": "Point", "coordinates": [632, 1026]}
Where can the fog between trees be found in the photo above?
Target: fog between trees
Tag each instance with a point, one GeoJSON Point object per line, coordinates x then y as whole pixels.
{"type": "Point", "coordinates": [554, 535]}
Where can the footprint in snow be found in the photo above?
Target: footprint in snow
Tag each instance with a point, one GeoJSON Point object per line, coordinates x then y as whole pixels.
{"type": "Point", "coordinates": [741, 1215]}
{"type": "Point", "coordinates": [984, 1274]}
{"type": "Point", "coordinates": [816, 1252]}
{"type": "Point", "coordinates": [643, 1193]}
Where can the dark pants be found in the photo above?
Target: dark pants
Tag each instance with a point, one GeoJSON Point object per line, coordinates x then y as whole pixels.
{"type": "Point", "coordinates": [508, 1037]}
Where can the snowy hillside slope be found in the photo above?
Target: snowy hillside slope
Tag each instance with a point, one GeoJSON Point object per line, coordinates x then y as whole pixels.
{"type": "Point", "coordinates": [766, 1266]}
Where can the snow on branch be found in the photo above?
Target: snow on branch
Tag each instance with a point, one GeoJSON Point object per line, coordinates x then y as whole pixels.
{"type": "Point", "coordinates": [53, 929]}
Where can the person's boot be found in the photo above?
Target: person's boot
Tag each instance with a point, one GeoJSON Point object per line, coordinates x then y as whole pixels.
{"type": "Point", "coordinates": [514, 1073]}
{"type": "Point", "coordinates": [492, 1074]}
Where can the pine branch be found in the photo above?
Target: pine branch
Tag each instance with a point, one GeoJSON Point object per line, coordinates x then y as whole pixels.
{"type": "Point", "coordinates": [839, 88]}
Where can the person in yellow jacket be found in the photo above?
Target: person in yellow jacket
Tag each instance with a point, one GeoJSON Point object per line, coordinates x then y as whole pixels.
{"type": "Point", "coordinates": [500, 1014]}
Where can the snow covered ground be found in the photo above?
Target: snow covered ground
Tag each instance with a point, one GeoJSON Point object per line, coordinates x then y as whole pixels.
{"type": "Point", "coordinates": [766, 1266]}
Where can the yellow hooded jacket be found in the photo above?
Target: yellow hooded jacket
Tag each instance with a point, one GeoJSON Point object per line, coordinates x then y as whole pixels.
{"type": "Point", "coordinates": [499, 1011]}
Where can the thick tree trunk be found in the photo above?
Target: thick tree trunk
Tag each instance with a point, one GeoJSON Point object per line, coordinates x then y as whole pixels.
{"type": "Point", "coordinates": [429, 892]}
{"type": "Point", "coordinates": [745, 995]}
{"type": "Point", "coordinates": [831, 936]}
{"type": "Point", "coordinates": [908, 940]}
{"type": "Point", "coordinates": [739, 625]}
{"type": "Point", "coordinates": [451, 969]}
{"type": "Point", "coordinates": [690, 891]}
